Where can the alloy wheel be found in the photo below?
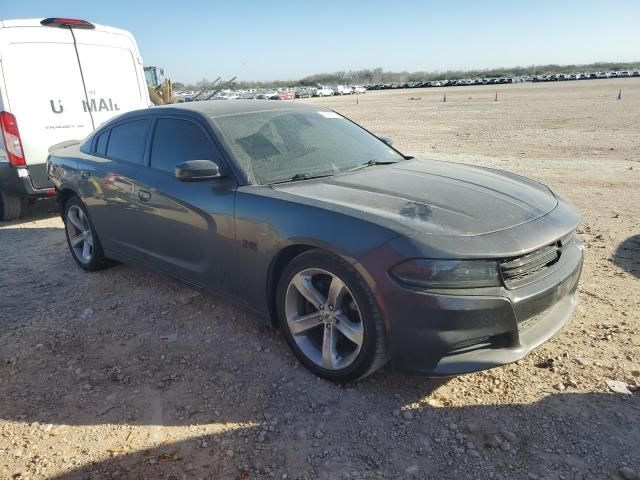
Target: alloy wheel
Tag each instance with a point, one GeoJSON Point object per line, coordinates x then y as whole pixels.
{"type": "Point", "coordinates": [324, 318]}
{"type": "Point", "coordinates": [79, 234]}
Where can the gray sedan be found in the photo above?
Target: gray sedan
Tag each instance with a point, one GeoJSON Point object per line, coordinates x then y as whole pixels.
{"type": "Point", "coordinates": [358, 253]}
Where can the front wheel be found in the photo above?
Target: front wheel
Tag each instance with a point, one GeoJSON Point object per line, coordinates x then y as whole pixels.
{"type": "Point", "coordinates": [82, 239]}
{"type": "Point", "coordinates": [329, 318]}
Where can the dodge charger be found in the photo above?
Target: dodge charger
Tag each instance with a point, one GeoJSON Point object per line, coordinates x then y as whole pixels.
{"type": "Point", "coordinates": [358, 253]}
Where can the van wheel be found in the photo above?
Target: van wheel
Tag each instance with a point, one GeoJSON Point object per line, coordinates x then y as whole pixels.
{"type": "Point", "coordinates": [10, 206]}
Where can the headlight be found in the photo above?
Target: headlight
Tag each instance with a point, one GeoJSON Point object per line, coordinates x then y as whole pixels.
{"type": "Point", "coordinates": [448, 273]}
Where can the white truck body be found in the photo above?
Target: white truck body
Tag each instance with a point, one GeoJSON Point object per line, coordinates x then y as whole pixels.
{"type": "Point", "coordinates": [59, 81]}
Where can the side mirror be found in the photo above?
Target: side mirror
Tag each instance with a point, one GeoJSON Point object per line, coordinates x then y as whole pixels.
{"type": "Point", "coordinates": [387, 140]}
{"type": "Point", "coordinates": [195, 170]}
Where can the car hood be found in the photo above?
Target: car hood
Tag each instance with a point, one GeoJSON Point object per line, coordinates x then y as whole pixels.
{"type": "Point", "coordinates": [432, 197]}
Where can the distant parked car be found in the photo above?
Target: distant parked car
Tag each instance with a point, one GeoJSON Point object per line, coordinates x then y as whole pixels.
{"type": "Point", "coordinates": [321, 91]}
{"type": "Point", "coordinates": [284, 95]}
{"type": "Point", "coordinates": [303, 92]}
{"type": "Point", "coordinates": [342, 90]}
{"type": "Point", "coordinates": [358, 89]}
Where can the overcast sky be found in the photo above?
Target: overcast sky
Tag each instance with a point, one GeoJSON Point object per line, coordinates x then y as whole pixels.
{"type": "Point", "coordinates": [285, 39]}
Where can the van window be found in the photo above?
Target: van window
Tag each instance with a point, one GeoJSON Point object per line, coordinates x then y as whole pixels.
{"type": "Point", "coordinates": [101, 143]}
{"type": "Point", "coordinates": [127, 141]}
{"type": "Point", "coordinates": [176, 141]}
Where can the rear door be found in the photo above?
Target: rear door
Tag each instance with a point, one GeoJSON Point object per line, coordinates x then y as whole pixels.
{"type": "Point", "coordinates": [43, 90]}
{"type": "Point", "coordinates": [112, 71]}
{"type": "Point", "coordinates": [108, 185]}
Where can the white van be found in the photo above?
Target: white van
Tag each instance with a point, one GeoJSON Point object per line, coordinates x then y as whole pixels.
{"type": "Point", "coordinates": [59, 79]}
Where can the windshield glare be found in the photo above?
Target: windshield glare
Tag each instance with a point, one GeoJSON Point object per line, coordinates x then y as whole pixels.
{"type": "Point", "coordinates": [275, 146]}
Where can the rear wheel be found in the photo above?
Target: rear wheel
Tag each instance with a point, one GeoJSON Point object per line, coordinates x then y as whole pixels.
{"type": "Point", "coordinates": [329, 317]}
{"type": "Point", "coordinates": [10, 206]}
{"type": "Point", "coordinates": [83, 242]}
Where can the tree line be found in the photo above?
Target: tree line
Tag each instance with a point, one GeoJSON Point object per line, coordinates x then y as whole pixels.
{"type": "Point", "coordinates": [380, 76]}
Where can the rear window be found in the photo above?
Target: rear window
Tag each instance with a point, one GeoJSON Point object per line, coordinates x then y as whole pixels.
{"type": "Point", "coordinates": [127, 141]}
{"type": "Point", "coordinates": [101, 143]}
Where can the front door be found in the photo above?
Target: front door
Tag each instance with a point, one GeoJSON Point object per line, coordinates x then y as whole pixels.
{"type": "Point", "coordinates": [188, 228]}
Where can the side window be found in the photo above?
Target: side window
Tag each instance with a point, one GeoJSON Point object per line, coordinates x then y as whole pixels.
{"type": "Point", "coordinates": [127, 141]}
{"type": "Point", "coordinates": [101, 143]}
{"type": "Point", "coordinates": [176, 141]}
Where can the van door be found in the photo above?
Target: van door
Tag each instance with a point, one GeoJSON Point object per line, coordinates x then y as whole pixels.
{"type": "Point", "coordinates": [113, 75]}
{"type": "Point", "coordinates": [44, 91]}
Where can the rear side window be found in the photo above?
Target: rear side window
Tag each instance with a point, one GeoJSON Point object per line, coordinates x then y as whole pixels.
{"type": "Point", "coordinates": [101, 143]}
{"type": "Point", "coordinates": [127, 141]}
{"type": "Point", "coordinates": [176, 141]}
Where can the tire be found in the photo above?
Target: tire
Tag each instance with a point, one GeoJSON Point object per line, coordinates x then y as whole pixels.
{"type": "Point", "coordinates": [76, 223]}
{"type": "Point", "coordinates": [10, 207]}
{"type": "Point", "coordinates": [353, 328]}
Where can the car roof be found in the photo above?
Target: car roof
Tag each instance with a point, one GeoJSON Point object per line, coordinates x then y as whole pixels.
{"type": "Point", "coordinates": [223, 108]}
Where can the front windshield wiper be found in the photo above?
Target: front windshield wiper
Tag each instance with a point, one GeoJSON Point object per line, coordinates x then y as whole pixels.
{"type": "Point", "coordinates": [370, 163]}
{"type": "Point", "coordinates": [301, 176]}
{"type": "Point", "coordinates": [379, 162]}
{"type": "Point", "coordinates": [305, 176]}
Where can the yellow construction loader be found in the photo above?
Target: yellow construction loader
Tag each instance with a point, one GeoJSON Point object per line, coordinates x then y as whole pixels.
{"type": "Point", "coordinates": [160, 88]}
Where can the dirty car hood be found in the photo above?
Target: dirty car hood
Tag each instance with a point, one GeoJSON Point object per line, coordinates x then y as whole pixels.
{"type": "Point", "coordinates": [432, 197]}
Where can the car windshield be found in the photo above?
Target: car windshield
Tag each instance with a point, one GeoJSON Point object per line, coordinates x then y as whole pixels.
{"type": "Point", "coordinates": [276, 146]}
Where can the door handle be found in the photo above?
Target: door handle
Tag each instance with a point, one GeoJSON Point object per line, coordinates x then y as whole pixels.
{"type": "Point", "coordinates": [144, 195]}
{"type": "Point", "coordinates": [84, 174]}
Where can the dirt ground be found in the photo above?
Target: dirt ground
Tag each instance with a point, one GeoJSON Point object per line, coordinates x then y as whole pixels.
{"type": "Point", "coordinates": [126, 374]}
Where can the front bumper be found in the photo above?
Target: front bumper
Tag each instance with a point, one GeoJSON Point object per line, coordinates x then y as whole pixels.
{"type": "Point", "coordinates": [438, 334]}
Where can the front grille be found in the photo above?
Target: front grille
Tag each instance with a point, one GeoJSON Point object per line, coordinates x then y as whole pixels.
{"type": "Point", "coordinates": [525, 269]}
